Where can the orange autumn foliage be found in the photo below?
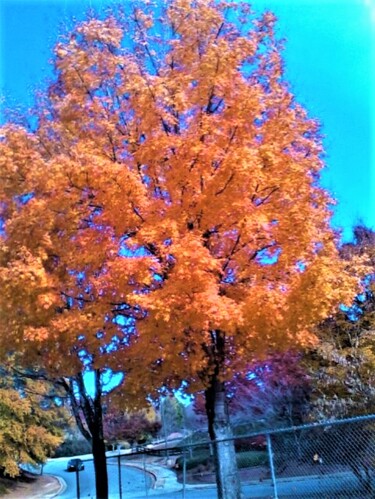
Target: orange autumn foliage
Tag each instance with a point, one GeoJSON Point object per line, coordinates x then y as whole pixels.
{"type": "Point", "coordinates": [172, 178]}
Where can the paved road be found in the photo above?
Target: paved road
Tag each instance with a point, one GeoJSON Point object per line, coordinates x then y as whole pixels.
{"type": "Point", "coordinates": [137, 485]}
{"type": "Point", "coordinates": [134, 482]}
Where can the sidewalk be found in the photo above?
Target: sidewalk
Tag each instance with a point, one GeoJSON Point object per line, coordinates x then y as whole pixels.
{"type": "Point", "coordinates": [164, 477]}
{"type": "Point", "coordinates": [43, 486]}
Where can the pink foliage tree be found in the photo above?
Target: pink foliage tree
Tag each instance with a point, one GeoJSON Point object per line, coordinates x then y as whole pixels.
{"type": "Point", "coordinates": [274, 391]}
{"type": "Point", "coordinates": [134, 427]}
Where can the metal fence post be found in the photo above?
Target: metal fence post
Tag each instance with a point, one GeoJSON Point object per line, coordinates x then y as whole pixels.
{"type": "Point", "coordinates": [77, 483]}
{"type": "Point", "coordinates": [272, 468]}
{"type": "Point", "coordinates": [184, 474]}
{"type": "Point", "coordinates": [119, 475]}
{"type": "Point", "coordinates": [145, 473]}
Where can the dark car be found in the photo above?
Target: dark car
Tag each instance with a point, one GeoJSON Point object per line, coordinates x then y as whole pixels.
{"type": "Point", "coordinates": [75, 465]}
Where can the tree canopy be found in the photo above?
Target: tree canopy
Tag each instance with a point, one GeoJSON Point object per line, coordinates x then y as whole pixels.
{"type": "Point", "coordinates": [179, 165]}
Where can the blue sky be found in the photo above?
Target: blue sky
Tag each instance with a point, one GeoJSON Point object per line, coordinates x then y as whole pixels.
{"type": "Point", "coordinates": [330, 65]}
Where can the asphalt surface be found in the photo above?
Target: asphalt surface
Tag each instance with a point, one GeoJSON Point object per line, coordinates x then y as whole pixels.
{"type": "Point", "coordinates": [160, 481]}
{"type": "Point", "coordinates": [134, 482]}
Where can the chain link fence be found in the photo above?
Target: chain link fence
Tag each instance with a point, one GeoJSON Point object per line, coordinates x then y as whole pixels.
{"type": "Point", "coordinates": [335, 459]}
{"type": "Point", "coordinates": [324, 461]}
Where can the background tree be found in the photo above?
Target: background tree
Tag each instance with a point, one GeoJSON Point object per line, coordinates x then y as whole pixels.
{"type": "Point", "coordinates": [133, 427]}
{"type": "Point", "coordinates": [171, 414]}
{"type": "Point", "coordinates": [169, 177]}
{"type": "Point", "coordinates": [272, 393]}
{"type": "Point", "coordinates": [342, 366]}
{"type": "Point", "coordinates": [30, 427]}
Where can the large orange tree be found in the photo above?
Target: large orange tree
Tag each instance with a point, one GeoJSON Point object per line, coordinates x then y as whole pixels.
{"type": "Point", "coordinates": [56, 322]}
{"type": "Point", "coordinates": [170, 178]}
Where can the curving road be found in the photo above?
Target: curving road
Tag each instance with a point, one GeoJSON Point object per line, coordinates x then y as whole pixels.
{"type": "Point", "coordinates": [134, 481]}
{"type": "Point", "coordinates": [136, 484]}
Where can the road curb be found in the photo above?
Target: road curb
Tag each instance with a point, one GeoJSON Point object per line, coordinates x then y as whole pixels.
{"type": "Point", "coordinates": [62, 488]}
{"type": "Point", "coordinates": [145, 470]}
{"type": "Point", "coordinates": [160, 476]}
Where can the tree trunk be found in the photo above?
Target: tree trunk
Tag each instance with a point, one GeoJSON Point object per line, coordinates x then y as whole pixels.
{"type": "Point", "coordinates": [219, 429]}
{"type": "Point", "coordinates": [100, 466]}
{"type": "Point", "coordinates": [98, 445]}
{"type": "Point", "coordinates": [88, 413]}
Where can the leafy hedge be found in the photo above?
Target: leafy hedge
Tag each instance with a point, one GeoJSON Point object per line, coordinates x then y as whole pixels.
{"type": "Point", "coordinates": [73, 448]}
{"type": "Point", "coordinates": [251, 458]}
{"type": "Point", "coordinates": [244, 460]}
{"type": "Point", "coordinates": [192, 462]}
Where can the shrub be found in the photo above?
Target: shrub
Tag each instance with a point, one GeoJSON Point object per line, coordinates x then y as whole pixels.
{"type": "Point", "coordinates": [251, 458]}
{"type": "Point", "coordinates": [73, 448]}
{"type": "Point", "coordinates": [192, 462]}
{"type": "Point", "coordinates": [255, 443]}
{"type": "Point", "coordinates": [198, 437]}
{"type": "Point", "coordinates": [244, 460]}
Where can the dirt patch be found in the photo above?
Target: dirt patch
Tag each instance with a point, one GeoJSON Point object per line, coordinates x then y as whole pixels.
{"type": "Point", "coordinates": [28, 485]}
{"type": "Point", "coordinates": [7, 485]}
